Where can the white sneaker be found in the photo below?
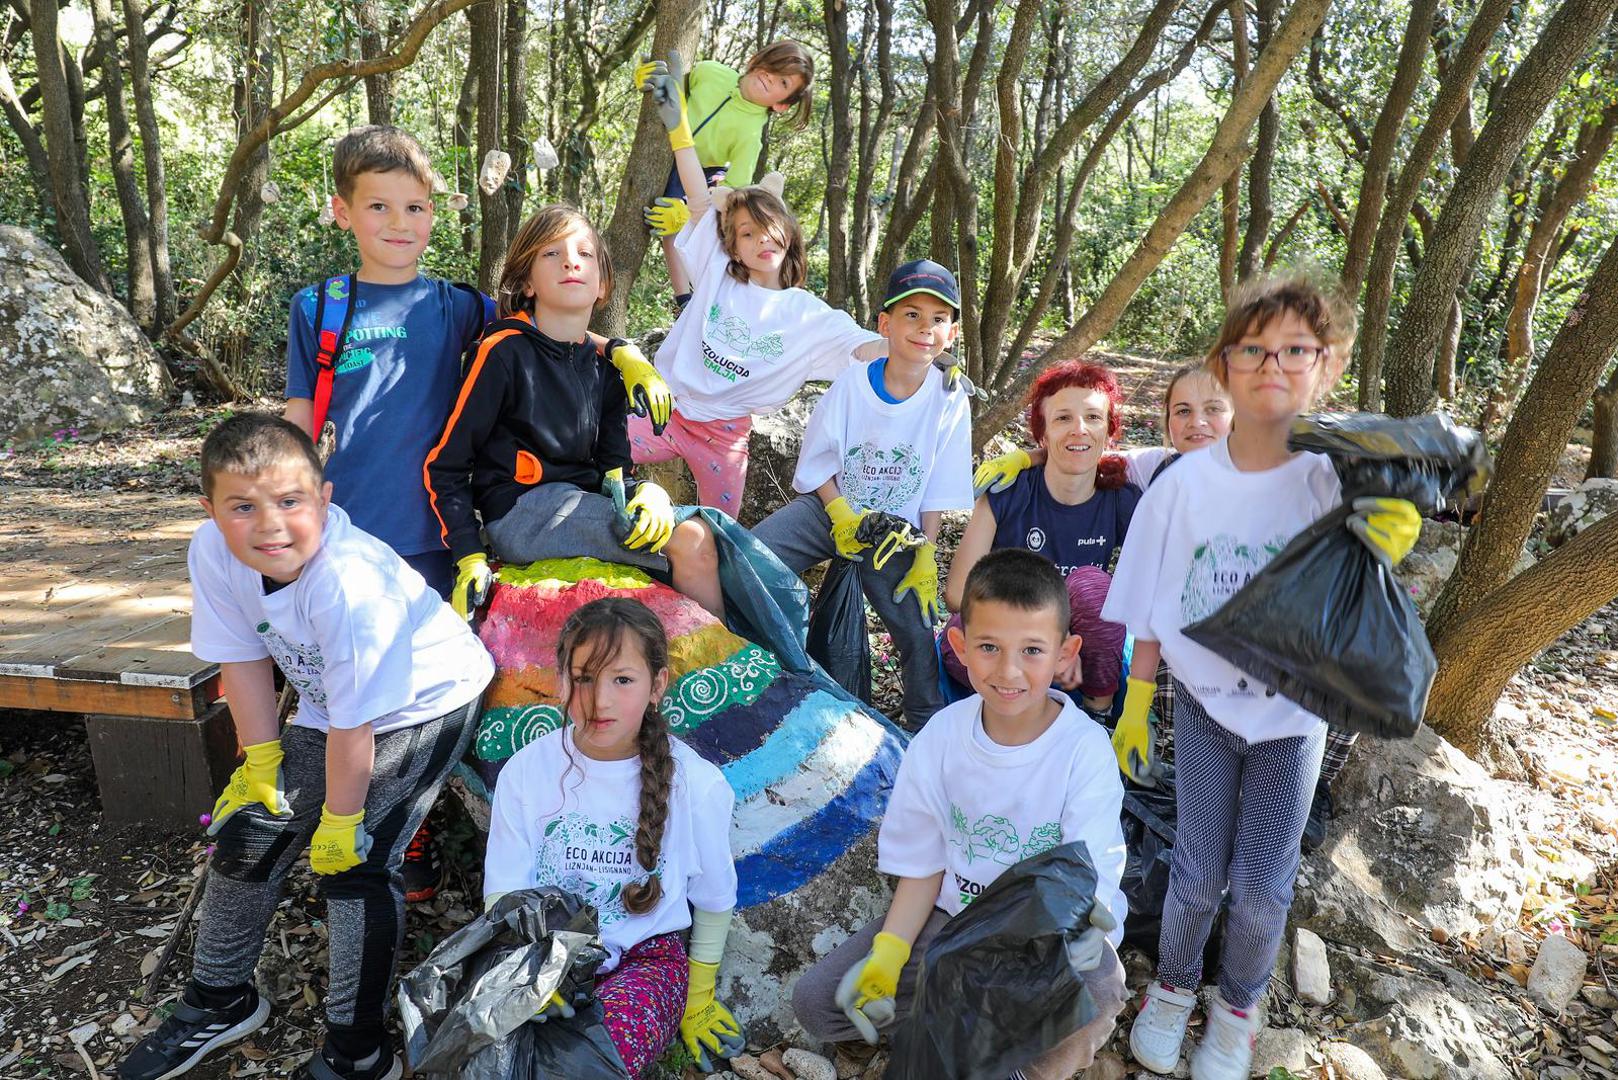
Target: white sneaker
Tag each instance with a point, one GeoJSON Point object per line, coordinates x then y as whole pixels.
{"type": "Point", "coordinates": [1159, 1028]}
{"type": "Point", "coordinates": [1226, 1050]}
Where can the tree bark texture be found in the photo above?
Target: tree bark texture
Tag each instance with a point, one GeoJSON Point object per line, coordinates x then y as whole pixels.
{"type": "Point", "coordinates": [1516, 110]}
{"type": "Point", "coordinates": [378, 87]}
{"type": "Point", "coordinates": [1604, 432]}
{"type": "Point", "coordinates": [151, 149]}
{"type": "Point", "coordinates": [1532, 446]}
{"type": "Point", "coordinates": [1261, 169]}
{"type": "Point", "coordinates": [1454, 90]}
{"type": "Point", "coordinates": [841, 158]}
{"type": "Point", "coordinates": [488, 56]}
{"type": "Point", "coordinates": [1224, 153]}
{"type": "Point", "coordinates": [142, 299]}
{"type": "Point", "coordinates": [516, 114]}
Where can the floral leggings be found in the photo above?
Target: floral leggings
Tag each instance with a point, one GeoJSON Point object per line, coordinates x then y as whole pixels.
{"type": "Point", "coordinates": [644, 999]}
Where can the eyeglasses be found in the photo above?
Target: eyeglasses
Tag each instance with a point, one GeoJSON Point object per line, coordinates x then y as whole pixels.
{"type": "Point", "coordinates": [1293, 359]}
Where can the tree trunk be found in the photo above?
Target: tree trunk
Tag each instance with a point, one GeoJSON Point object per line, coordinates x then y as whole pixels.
{"type": "Point", "coordinates": [151, 148]}
{"type": "Point", "coordinates": [1230, 209]}
{"type": "Point", "coordinates": [1481, 650]}
{"type": "Point", "coordinates": [516, 112]}
{"type": "Point", "coordinates": [1604, 432]}
{"type": "Point", "coordinates": [873, 130]}
{"type": "Point", "coordinates": [1385, 141]}
{"type": "Point", "coordinates": [466, 169]}
{"type": "Point", "coordinates": [252, 101]}
{"type": "Point", "coordinates": [1454, 90]}
{"type": "Point", "coordinates": [378, 87]}
{"type": "Point", "coordinates": [33, 147]}
{"type": "Point", "coordinates": [676, 27]}
{"type": "Point", "coordinates": [488, 55]}
{"type": "Point", "coordinates": [1224, 153]}
{"type": "Point", "coordinates": [63, 152]}
{"type": "Point", "coordinates": [1449, 348]}
{"type": "Point", "coordinates": [1515, 112]}
{"type": "Point", "coordinates": [137, 244]}
{"type": "Point", "coordinates": [1260, 171]}
{"type": "Point", "coordinates": [841, 115]}
{"type": "Point", "coordinates": [1533, 444]}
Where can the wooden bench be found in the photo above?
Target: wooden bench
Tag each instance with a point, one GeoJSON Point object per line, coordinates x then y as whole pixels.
{"type": "Point", "coordinates": [95, 616]}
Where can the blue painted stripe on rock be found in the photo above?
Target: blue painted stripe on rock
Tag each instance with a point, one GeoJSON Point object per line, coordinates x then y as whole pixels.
{"type": "Point", "coordinates": [741, 729]}
{"type": "Point", "coordinates": [801, 853]}
{"type": "Point", "coordinates": [787, 747]}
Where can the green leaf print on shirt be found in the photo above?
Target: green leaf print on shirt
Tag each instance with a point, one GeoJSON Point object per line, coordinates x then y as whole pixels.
{"type": "Point", "coordinates": [737, 337]}
{"type": "Point", "coordinates": [595, 860]}
{"type": "Point", "coordinates": [1219, 568]}
{"type": "Point", "coordinates": [1042, 838]}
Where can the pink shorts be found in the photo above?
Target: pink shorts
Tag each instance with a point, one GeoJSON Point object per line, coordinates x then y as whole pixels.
{"type": "Point", "coordinates": [714, 450]}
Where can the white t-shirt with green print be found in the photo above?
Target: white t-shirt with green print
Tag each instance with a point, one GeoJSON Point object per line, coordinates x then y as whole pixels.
{"type": "Point", "coordinates": [972, 808]}
{"type": "Point", "coordinates": [1199, 534]}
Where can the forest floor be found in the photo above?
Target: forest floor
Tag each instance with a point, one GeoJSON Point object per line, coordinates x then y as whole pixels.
{"type": "Point", "coordinates": [86, 909]}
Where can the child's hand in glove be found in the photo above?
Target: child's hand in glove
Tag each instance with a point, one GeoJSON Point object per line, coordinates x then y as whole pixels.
{"type": "Point", "coordinates": [1091, 946]}
{"type": "Point", "coordinates": [710, 1033]}
{"type": "Point", "coordinates": [867, 990]}
{"type": "Point", "coordinates": [472, 581]}
{"type": "Point", "coordinates": [340, 842]}
{"type": "Point", "coordinates": [665, 82]}
{"type": "Point", "coordinates": [1132, 739]}
{"type": "Point", "coordinates": [922, 579]}
{"type": "Point", "coordinates": [999, 473]}
{"type": "Point", "coordinates": [651, 517]}
{"type": "Point", "coordinates": [256, 780]}
{"type": "Point", "coordinates": [1389, 527]}
{"type": "Point", "coordinates": [666, 216]}
{"type": "Point", "coordinates": [648, 394]}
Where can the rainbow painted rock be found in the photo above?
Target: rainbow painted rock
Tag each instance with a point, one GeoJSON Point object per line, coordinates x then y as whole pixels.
{"type": "Point", "coordinates": [811, 767]}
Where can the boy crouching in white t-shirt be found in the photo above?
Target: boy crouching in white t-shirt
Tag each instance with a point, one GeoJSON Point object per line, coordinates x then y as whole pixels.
{"type": "Point", "coordinates": [993, 779]}
{"type": "Point", "coordinates": [389, 680]}
{"type": "Point", "coordinates": [887, 451]}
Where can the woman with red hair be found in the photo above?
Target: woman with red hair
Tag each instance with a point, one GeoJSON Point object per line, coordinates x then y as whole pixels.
{"type": "Point", "coordinates": [1074, 511]}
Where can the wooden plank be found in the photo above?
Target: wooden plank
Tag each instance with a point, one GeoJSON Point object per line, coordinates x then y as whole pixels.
{"type": "Point", "coordinates": [114, 699]}
{"type": "Point", "coordinates": [162, 773]}
{"type": "Point", "coordinates": [139, 667]}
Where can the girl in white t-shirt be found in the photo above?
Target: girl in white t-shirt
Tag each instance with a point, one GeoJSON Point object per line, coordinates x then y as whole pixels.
{"type": "Point", "coordinates": [1246, 758]}
{"type": "Point", "coordinates": [615, 810]}
{"type": "Point", "coordinates": [749, 337]}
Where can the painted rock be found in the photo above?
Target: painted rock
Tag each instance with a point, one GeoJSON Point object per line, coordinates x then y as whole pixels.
{"type": "Point", "coordinates": [811, 766]}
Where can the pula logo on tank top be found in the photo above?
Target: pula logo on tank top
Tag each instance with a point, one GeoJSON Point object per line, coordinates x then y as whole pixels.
{"type": "Point", "coordinates": [1036, 539]}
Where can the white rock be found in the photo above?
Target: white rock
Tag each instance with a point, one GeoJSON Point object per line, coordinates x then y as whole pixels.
{"type": "Point", "coordinates": [807, 1066]}
{"type": "Point", "coordinates": [1557, 974]}
{"type": "Point", "coordinates": [1352, 1063]}
{"type": "Point", "coordinates": [1285, 1047]}
{"type": "Point", "coordinates": [1311, 971]}
{"type": "Point", "coordinates": [1589, 503]}
{"type": "Point", "coordinates": [124, 1025]}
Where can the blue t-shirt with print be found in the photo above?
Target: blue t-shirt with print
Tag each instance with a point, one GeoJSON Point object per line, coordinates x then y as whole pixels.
{"type": "Point", "coordinates": [1027, 515]}
{"type": "Point", "coordinates": [397, 375]}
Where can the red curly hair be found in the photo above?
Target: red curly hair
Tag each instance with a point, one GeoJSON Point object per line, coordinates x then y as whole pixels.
{"type": "Point", "coordinates": [1112, 472]}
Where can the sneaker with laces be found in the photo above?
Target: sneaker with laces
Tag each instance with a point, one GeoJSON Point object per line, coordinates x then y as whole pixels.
{"type": "Point", "coordinates": [1226, 1050]}
{"type": "Point", "coordinates": [1159, 1029]}
{"type": "Point", "coordinates": [328, 1064]}
{"type": "Point", "coordinates": [191, 1034]}
{"type": "Point", "coordinates": [422, 871]}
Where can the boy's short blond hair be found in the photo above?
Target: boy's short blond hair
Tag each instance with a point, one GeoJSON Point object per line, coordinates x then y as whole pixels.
{"type": "Point", "coordinates": [251, 443]}
{"type": "Point", "coordinates": [378, 148]}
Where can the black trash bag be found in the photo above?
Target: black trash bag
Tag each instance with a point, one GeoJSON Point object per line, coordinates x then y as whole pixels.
{"type": "Point", "coordinates": [837, 639]}
{"type": "Point", "coordinates": [1149, 816]}
{"type": "Point", "coordinates": [1326, 624]}
{"type": "Point", "coordinates": [997, 987]}
{"type": "Point", "coordinates": [466, 1008]}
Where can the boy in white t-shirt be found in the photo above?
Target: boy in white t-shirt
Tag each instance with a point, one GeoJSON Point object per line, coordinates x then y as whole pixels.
{"type": "Point", "coordinates": [888, 449]}
{"type": "Point", "coordinates": [389, 681]}
{"type": "Point", "coordinates": [992, 780]}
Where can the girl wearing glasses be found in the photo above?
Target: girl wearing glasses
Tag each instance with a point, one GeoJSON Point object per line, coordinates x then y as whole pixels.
{"type": "Point", "coordinates": [1246, 758]}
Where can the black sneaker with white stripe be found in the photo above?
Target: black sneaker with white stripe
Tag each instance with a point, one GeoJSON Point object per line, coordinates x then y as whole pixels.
{"type": "Point", "coordinates": [191, 1034]}
{"type": "Point", "coordinates": [328, 1064]}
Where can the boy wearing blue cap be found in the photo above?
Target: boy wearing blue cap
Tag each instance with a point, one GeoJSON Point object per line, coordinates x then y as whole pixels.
{"type": "Point", "coordinates": [887, 451]}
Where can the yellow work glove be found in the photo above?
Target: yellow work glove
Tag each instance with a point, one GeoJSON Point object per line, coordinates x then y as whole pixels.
{"type": "Point", "coordinates": [256, 780]}
{"type": "Point", "coordinates": [922, 579]}
{"type": "Point", "coordinates": [666, 216]}
{"type": "Point", "coordinates": [845, 522]}
{"type": "Point", "coordinates": [1132, 739]}
{"type": "Point", "coordinates": [999, 473]}
{"type": "Point", "coordinates": [340, 842]}
{"type": "Point", "coordinates": [955, 377]}
{"type": "Point", "coordinates": [555, 1005]}
{"type": "Point", "coordinates": [867, 990]}
{"type": "Point", "coordinates": [649, 395]}
{"type": "Point", "coordinates": [651, 518]}
{"type": "Point", "coordinates": [665, 82]}
{"type": "Point", "coordinates": [1389, 527]}
{"type": "Point", "coordinates": [707, 1026]}
{"type": "Point", "coordinates": [472, 580]}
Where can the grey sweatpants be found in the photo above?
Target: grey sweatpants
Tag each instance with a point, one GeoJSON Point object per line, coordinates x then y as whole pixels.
{"type": "Point", "coordinates": [562, 521]}
{"type": "Point", "coordinates": [814, 1000]}
{"type": "Point", "coordinates": [365, 904]}
{"type": "Point", "coordinates": [1241, 808]}
{"type": "Point", "coordinates": [800, 536]}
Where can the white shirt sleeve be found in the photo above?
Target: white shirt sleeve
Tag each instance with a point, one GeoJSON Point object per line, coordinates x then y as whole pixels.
{"type": "Point", "coordinates": [820, 457]}
{"type": "Point", "coordinates": [508, 860]}
{"type": "Point", "coordinates": [1140, 563]}
{"type": "Point", "coordinates": [711, 885]}
{"type": "Point", "coordinates": [221, 632]}
{"type": "Point", "coordinates": [950, 485]}
{"type": "Point", "coordinates": [1091, 814]}
{"type": "Point", "coordinates": [911, 841]}
{"type": "Point", "coordinates": [369, 654]}
{"type": "Point", "coordinates": [1143, 462]}
{"type": "Point", "coordinates": [830, 351]}
{"type": "Point", "coordinates": [699, 244]}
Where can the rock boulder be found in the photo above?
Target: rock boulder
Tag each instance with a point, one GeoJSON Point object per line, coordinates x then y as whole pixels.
{"type": "Point", "coordinates": [1590, 502]}
{"type": "Point", "coordinates": [70, 356]}
{"type": "Point", "coordinates": [1433, 559]}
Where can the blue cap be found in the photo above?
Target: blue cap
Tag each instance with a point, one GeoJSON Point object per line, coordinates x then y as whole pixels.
{"type": "Point", "coordinates": [923, 276]}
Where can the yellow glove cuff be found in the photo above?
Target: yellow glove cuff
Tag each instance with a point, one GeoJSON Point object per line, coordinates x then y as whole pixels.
{"type": "Point", "coordinates": [704, 979]}
{"type": "Point", "coordinates": [468, 561]}
{"type": "Point", "coordinates": [341, 821]}
{"type": "Point", "coordinates": [264, 755]}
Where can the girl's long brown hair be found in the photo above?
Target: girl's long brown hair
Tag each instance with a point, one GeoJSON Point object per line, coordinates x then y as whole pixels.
{"type": "Point", "coordinates": [604, 625]}
{"type": "Point", "coordinates": [790, 60]}
{"type": "Point", "coordinates": [549, 224]}
{"type": "Point", "coordinates": [770, 214]}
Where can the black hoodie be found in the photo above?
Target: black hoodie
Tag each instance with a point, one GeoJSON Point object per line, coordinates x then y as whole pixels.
{"type": "Point", "coordinates": [532, 410]}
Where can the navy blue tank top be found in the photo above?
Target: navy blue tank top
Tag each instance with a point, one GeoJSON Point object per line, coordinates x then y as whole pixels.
{"type": "Point", "coordinates": [1027, 515]}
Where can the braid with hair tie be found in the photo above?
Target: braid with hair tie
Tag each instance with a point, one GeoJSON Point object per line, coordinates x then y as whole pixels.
{"type": "Point", "coordinates": [656, 782]}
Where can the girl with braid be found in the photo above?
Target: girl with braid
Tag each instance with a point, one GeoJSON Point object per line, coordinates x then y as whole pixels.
{"type": "Point", "coordinates": [617, 811]}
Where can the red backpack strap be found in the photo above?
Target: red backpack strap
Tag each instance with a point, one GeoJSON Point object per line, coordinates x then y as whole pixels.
{"type": "Point", "coordinates": [334, 311]}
